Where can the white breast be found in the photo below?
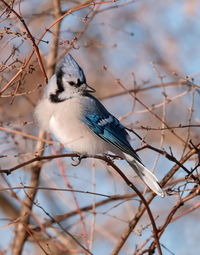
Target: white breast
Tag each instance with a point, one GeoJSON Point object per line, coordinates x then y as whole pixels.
{"type": "Point", "coordinates": [67, 127]}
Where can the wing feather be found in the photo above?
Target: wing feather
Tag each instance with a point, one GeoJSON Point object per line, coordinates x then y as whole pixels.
{"type": "Point", "coordinates": [110, 130]}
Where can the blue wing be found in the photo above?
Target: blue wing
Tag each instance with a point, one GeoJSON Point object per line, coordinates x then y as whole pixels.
{"type": "Point", "coordinates": [110, 129]}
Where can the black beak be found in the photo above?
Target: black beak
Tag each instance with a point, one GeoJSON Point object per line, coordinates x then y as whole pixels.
{"type": "Point", "coordinates": [89, 89]}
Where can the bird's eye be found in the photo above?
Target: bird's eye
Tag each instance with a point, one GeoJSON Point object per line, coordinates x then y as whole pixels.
{"type": "Point", "coordinates": [72, 83]}
{"type": "Point", "coordinates": [79, 83]}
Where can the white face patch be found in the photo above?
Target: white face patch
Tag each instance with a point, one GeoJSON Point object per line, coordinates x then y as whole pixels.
{"type": "Point", "coordinates": [105, 121]}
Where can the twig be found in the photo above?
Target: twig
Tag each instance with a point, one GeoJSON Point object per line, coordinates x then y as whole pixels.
{"type": "Point", "coordinates": [64, 230]}
{"type": "Point", "coordinates": [174, 210]}
{"type": "Point", "coordinates": [31, 38]}
{"type": "Point", "coordinates": [8, 130]}
{"type": "Point", "coordinates": [142, 209]}
{"type": "Point", "coordinates": [130, 184]}
{"type": "Point", "coordinates": [62, 170]}
{"type": "Point", "coordinates": [21, 233]}
{"type": "Point", "coordinates": [80, 7]}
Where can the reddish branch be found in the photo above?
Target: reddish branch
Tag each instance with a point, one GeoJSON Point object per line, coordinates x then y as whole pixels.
{"type": "Point", "coordinates": [169, 218]}
{"type": "Point", "coordinates": [142, 208]}
{"type": "Point", "coordinates": [27, 207]}
{"type": "Point", "coordinates": [139, 88]}
{"type": "Point", "coordinates": [21, 233]}
{"type": "Point", "coordinates": [64, 229]}
{"type": "Point", "coordinates": [80, 7]}
{"type": "Point", "coordinates": [130, 184]}
{"type": "Point", "coordinates": [16, 132]}
{"type": "Point", "coordinates": [168, 156]}
{"type": "Point", "coordinates": [149, 110]}
{"type": "Point", "coordinates": [31, 38]}
{"type": "Point", "coordinates": [109, 162]}
{"type": "Point", "coordinates": [106, 159]}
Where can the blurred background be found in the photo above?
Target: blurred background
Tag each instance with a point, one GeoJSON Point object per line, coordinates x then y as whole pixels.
{"type": "Point", "coordinates": [143, 59]}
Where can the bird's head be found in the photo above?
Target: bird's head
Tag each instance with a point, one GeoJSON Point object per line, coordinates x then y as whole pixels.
{"type": "Point", "coordinates": [69, 81]}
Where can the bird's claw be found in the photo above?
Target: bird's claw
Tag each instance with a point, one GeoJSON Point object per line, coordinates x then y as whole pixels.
{"type": "Point", "coordinates": [78, 160]}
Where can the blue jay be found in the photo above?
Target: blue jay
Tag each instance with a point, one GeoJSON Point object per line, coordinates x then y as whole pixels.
{"type": "Point", "coordinates": [81, 123]}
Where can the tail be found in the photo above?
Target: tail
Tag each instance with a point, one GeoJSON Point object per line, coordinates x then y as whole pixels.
{"type": "Point", "coordinates": [146, 176]}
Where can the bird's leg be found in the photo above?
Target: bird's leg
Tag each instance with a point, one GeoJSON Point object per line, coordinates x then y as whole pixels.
{"type": "Point", "coordinates": [112, 156]}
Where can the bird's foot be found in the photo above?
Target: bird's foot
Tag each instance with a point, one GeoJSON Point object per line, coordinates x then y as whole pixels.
{"type": "Point", "coordinates": [78, 160]}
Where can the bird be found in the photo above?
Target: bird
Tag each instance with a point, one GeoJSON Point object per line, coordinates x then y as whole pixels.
{"type": "Point", "coordinates": [82, 124]}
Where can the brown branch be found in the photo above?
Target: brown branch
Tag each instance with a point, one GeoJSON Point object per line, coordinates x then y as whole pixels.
{"type": "Point", "coordinates": [65, 216]}
{"type": "Point", "coordinates": [65, 155]}
{"type": "Point", "coordinates": [146, 205]}
{"type": "Point", "coordinates": [8, 130]}
{"type": "Point", "coordinates": [80, 7]}
{"type": "Point", "coordinates": [169, 218]}
{"type": "Point", "coordinates": [166, 155]}
{"type": "Point", "coordinates": [193, 208]}
{"type": "Point", "coordinates": [166, 128]}
{"type": "Point", "coordinates": [72, 155]}
{"type": "Point", "coordinates": [21, 233]}
{"type": "Point", "coordinates": [149, 110]}
{"type": "Point", "coordinates": [140, 212]}
{"type": "Point", "coordinates": [36, 159]}
{"type": "Point", "coordinates": [54, 43]}
{"type": "Point", "coordinates": [80, 34]}
{"type": "Point", "coordinates": [142, 209]}
{"type": "Point", "coordinates": [24, 187]}
{"type": "Point", "coordinates": [63, 229]}
{"type": "Point", "coordinates": [34, 238]}
{"type": "Point", "coordinates": [31, 38]}
{"type": "Point", "coordinates": [172, 158]}
{"type": "Point", "coordinates": [111, 198]}
{"type": "Point", "coordinates": [109, 162]}
{"type": "Point", "coordinates": [155, 86]}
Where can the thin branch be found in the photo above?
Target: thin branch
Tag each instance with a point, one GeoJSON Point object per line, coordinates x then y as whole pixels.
{"type": "Point", "coordinates": [174, 210]}
{"type": "Point", "coordinates": [109, 162]}
{"type": "Point", "coordinates": [63, 229]}
{"type": "Point", "coordinates": [128, 230]}
{"type": "Point", "coordinates": [21, 233]}
{"type": "Point", "coordinates": [130, 184]}
{"type": "Point", "coordinates": [155, 86]}
{"type": "Point", "coordinates": [8, 130]}
{"type": "Point", "coordinates": [31, 38]}
{"type": "Point", "coordinates": [80, 7]}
